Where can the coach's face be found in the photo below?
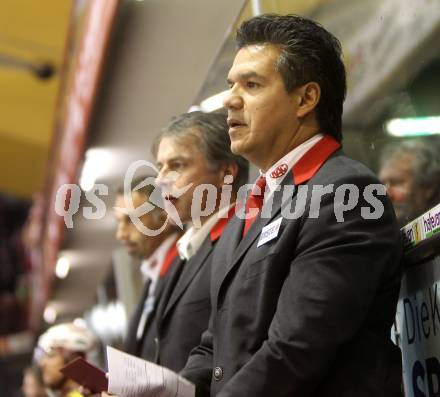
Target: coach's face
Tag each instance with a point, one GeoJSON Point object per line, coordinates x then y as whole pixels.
{"type": "Point", "coordinates": [183, 167]}
{"type": "Point", "coordinates": [138, 244]}
{"type": "Point", "coordinates": [264, 119]}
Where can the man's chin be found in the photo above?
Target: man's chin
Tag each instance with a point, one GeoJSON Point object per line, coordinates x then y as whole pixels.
{"type": "Point", "coordinates": [237, 147]}
{"type": "Point", "coordinates": [53, 383]}
{"type": "Point", "coordinates": [183, 219]}
{"type": "Point", "coordinates": [171, 222]}
{"type": "Point", "coordinates": [173, 210]}
{"type": "Point", "coordinates": [133, 252]}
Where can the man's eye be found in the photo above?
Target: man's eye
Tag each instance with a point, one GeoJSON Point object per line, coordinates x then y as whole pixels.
{"type": "Point", "coordinates": [176, 165]}
{"type": "Point", "coordinates": [251, 84]}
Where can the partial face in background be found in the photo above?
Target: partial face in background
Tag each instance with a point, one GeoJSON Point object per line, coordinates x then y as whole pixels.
{"type": "Point", "coordinates": [50, 365]}
{"type": "Point", "coordinates": [31, 386]}
{"type": "Point", "coordinates": [262, 115]}
{"type": "Point", "coordinates": [181, 163]}
{"type": "Point", "coordinates": [397, 174]}
{"type": "Point", "coordinates": [137, 244]}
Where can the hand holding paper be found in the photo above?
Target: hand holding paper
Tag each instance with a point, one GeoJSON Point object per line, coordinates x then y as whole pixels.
{"type": "Point", "coordinates": [130, 376]}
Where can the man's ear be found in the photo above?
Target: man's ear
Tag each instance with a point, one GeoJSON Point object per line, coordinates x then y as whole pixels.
{"type": "Point", "coordinates": [308, 96]}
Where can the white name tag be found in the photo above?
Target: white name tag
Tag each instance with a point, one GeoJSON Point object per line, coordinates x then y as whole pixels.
{"type": "Point", "coordinates": [269, 232]}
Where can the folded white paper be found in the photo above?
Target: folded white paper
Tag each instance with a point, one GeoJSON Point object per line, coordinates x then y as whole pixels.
{"type": "Point", "coordinates": [130, 376]}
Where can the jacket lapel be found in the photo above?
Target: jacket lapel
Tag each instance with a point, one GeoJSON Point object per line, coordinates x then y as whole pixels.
{"type": "Point", "coordinates": [184, 278]}
{"type": "Point", "coordinates": [229, 242]}
{"type": "Point", "coordinates": [269, 212]}
{"type": "Point", "coordinates": [233, 237]}
{"type": "Point", "coordinates": [231, 227]}
{"type": "Point", "coordinates": [170, 282]}
{"type": "Point", "coordinates": [307, 166]}
{"type": "Point", "coordinates": [131, 342]}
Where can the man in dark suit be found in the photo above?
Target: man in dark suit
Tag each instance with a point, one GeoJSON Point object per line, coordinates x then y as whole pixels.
{"type": "Point", "coordinates": [155, 254]}
{"type": "Point", "coordinates": [193, 151]}
{"type": "Point", "coordinates": [304, 290]}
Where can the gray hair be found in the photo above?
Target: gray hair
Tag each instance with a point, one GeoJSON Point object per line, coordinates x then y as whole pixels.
{"type": "Point", "coordinates": [211, 132]}
{"type": "Point", "coordinates": [426, 155]}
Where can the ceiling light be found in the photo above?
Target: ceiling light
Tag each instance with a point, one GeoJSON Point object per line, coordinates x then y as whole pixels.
{"type": "Point", "coordinates": [62, 267]}
{"type": "Point", "coordinates": [194, 108]}
{"type": "Point", "coordinates": [96, 161]}
{"type": "Point", "coordinates": [257, 8]}
{"type": "Point", "coordinates": [108, 321]}
{"type": "Point", "coordinates": [80, 322]}
{"type": "Point", "coordinates": [50, 314]}
{"type": "Point", "coordinates": [417, 126]}
{"type": "Point", "coordinates": [213, 102]}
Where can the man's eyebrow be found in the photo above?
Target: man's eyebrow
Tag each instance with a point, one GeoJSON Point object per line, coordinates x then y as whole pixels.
{"type": "Point", "coordinates": [120, 211]}
{"type": "Point", "coordinates": [246, 75]}
{"type": "Point", "coordinates": [175, 158]}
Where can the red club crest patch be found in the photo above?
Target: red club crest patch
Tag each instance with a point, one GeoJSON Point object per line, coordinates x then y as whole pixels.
{"type": "Point", "coordinates": [279, 171]}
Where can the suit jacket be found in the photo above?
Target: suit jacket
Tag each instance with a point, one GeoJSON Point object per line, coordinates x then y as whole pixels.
{"type": "Point", "coordinates": [309, 312]}
{"type": "Point", "coordinates": [185, 306]}
{"type": "Point", "coordinates": [145, 347]}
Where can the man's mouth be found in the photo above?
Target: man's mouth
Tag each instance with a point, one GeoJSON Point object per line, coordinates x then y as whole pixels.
{"type": "Point", "coordinates": [235, 123]}
{"type": "Point", "coordinates": [170, 199]}
{"type": "Point", "coordinates": [130, 247]}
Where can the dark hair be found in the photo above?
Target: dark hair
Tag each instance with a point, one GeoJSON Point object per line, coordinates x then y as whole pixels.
{"type": "Point", "coordinates": [146, 191]}
{"type": "Point", "coordinates": [211, 131]}
{"type": "Point", "coordinates": [308, 53]}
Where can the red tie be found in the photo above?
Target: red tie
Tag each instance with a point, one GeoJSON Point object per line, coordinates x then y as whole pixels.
{"type": "Point", "coordinates": [169, 258]}
{"type": "Point", "coordinates": [255, 201]}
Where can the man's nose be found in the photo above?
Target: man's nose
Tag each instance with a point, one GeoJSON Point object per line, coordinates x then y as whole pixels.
{"type": "Point", "coordinates": [233, 100]}
{"type": "Point", "coordinates": [390, 192]}
{"type": "Point", "coordinates": [121, 233]}
{"type": "Point", "coordinates": [160, 179]}
{"type": "Point", "coordinates": [165, 180]}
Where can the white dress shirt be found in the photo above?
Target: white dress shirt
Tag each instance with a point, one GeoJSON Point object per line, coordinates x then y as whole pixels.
{"type": "Point", "coordinates": [190, 242]}
{"type": "Point", "coordinates": [290, 159]}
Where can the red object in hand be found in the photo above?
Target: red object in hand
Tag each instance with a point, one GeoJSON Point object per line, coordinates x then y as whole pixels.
{"type": "Point", "coordinates": [86, 374]}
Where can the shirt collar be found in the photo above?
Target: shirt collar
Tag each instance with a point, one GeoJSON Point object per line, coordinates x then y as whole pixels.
{"type": "Point", "coordinates": [190, 242]}
{"type": "Point", "coordinates": [275, 174]}
{"type": "Point", "coordinates": [151, 266]}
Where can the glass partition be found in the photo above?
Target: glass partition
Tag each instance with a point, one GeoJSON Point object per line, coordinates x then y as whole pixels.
{"type": "Point", "coordinates": [392, 110]}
